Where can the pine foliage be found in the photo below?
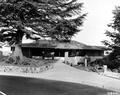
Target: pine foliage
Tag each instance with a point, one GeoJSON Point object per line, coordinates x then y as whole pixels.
{"type": "Point", "coordinates": [114, 57]}
{"type": "Point", "coordinates": [114, 35]}
{"type": "Point", "coordinates": [57, 19]}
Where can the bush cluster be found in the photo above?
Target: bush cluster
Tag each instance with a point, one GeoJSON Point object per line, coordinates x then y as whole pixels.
{"type": "Point", "coordinates": [112, 63]}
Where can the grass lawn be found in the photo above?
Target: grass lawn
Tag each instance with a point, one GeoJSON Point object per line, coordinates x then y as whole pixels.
{"type": "Point", "coordinates": [31, 86]}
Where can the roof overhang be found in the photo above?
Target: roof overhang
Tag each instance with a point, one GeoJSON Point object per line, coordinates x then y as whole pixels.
{"type": "Point", "coordinates": [62, 45]}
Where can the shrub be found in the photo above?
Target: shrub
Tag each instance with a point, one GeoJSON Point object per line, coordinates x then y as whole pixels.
{"type": "Point", "coordinates": [112, 64]}
{"type": "Point", "coordinates": [99, 62]}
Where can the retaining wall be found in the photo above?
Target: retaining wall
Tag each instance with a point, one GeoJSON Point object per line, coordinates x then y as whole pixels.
{"type": "Point", "coordinates": [26, 69]}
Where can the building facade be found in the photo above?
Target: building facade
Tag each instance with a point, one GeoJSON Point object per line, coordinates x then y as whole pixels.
{"type": "Point", "coordinates": [50, 48]}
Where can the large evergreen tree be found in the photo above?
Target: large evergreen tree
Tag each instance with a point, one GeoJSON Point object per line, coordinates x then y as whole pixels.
{"type": "Point", "coordinates": [114, 44]}
{"type": "Point", "coordinates": [57, 19]}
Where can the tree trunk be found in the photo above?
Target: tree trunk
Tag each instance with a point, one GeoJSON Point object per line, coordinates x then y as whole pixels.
{"type": "Point", "coordinates": [17, 54]}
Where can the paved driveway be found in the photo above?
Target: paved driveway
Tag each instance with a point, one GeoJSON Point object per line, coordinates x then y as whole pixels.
{"type": "Point", "coordinates": [64, 72]}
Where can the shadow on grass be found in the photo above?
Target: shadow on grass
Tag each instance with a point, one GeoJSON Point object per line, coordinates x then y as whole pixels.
{"type": "Point", "coordinates": [32, 86]}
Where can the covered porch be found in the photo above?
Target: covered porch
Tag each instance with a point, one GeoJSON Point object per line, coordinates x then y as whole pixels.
{"type": "Point", "coordinates": [52, 49]}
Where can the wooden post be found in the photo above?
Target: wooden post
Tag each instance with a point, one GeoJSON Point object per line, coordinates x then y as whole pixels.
{"type": "Point", "coordinates": [66, 57]}
{"type": "Point", "coordinates": [75, 60]}
{"type": "Point", "coordinates": [30, 53]}
{"type": "Point", "coordinates": [105, 68]}
{"type": "Point", "coordinates": [52, 54]}
{"type": "Point", "coordinates": [86, 60]}
{"type": "Point", "coordinates": [43, 53]}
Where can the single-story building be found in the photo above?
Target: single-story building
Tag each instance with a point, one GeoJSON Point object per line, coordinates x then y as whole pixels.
{"type": "Point", "coordinates": [46, 48]}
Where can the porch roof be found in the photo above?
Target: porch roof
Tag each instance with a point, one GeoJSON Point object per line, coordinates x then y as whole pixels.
{"type": "Point", "coordinates": [61, 45]}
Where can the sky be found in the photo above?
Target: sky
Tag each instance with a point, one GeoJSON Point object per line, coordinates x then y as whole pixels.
{"type": "Point", "coordinates": [95, 24]}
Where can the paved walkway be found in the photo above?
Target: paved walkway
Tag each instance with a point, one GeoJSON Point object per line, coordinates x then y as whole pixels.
{"type": "Point", "coordinates": [63, 72]}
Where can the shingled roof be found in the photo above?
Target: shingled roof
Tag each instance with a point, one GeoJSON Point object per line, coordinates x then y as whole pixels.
{"type": "Point", "coordinates": [61, 45]}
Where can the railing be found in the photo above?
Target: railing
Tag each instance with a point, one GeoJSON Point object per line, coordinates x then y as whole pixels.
{"type": "Point", "coordinates": [80, 59]}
